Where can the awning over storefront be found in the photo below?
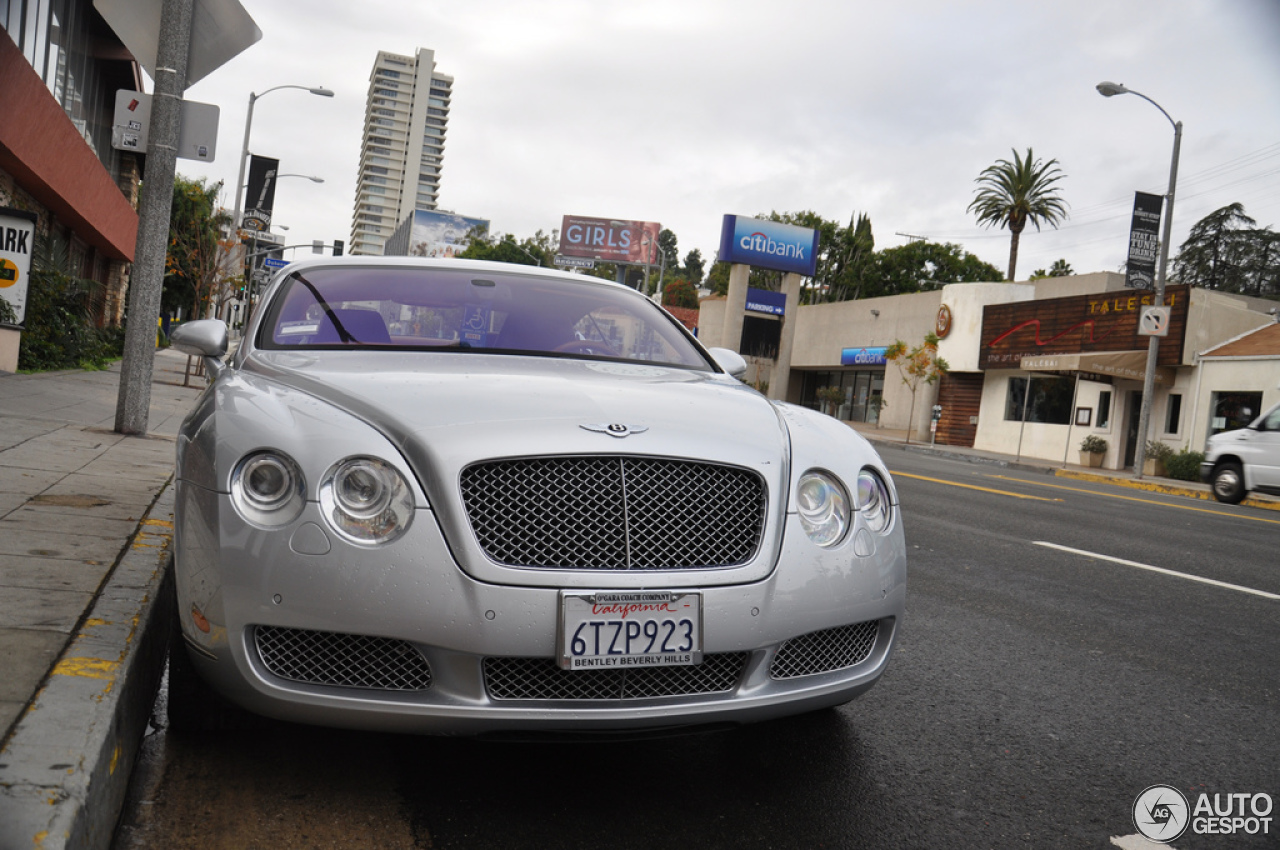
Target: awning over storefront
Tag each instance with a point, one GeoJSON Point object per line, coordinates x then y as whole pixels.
{"type": "Point", "coordinates": [1127, 365]}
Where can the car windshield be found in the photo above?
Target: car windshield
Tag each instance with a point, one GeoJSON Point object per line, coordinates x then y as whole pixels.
{"type": "Point", "coordinates": [435, 309]}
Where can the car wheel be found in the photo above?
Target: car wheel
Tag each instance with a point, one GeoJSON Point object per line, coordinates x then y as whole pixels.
{"type": "Point", "coordinates": [1228, 483]}
{"type": "Point", "coordinates": [192, 705]}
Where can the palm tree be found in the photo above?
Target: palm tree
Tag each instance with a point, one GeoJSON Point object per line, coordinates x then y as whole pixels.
{"type": "Point", "coordinates": [1013, 194]}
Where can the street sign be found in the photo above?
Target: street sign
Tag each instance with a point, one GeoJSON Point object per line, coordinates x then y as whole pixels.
{"type": "Point", "coordinates": [220, 30]}
{"type": "Point", "coordinates": [1154, 321]}
{"type": "Point", "coordinates": [574, 262]}
{"type": "Point", "coordinates": [197, 137]}
{"type": "Point", "coordinates": [273, 263]}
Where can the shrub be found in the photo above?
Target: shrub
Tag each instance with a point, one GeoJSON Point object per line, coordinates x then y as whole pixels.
{"type": "Point", "coordinates": [58, 329]}
{"type": "Point", "coordinates": [1157, 450]}
{"type": "Point", "coordinates": [1094, 445]}
{"type": "Point", "coordinates": [1185, 465]}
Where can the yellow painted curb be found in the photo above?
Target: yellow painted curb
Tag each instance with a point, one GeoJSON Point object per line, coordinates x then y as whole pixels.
{"type": "Point", "coordinates": [1157, 487]}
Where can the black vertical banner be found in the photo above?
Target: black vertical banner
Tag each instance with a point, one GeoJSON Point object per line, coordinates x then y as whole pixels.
{"type": "Point", "coordinates": [261, 197]}
{"type": "Point", "coordinates": [1144, 239]}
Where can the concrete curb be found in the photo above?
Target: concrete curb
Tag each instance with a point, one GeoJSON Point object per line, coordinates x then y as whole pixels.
{"type": "Point", "coordinates": [1163, 487]}
{"type": "Point", "coordinates": [65, 770]}
{"type": "Point", "coordinates": [1168, 487]}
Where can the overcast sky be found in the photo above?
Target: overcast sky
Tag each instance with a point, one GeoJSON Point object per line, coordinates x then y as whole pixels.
{"type": "Point", "coordinates": [680, 111]}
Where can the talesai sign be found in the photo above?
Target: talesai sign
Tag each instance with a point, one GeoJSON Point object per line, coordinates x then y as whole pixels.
{"type": "Point", "coordinates": [17, 236]}
{"type": "Point", "coordinates": [1105, 321]}
{"type": "Point", "coordinates": [769, 245]}
{"type": "Point", "coordinates": [1144, 241]}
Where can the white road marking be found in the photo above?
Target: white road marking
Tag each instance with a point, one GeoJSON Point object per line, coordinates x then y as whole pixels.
{"type": "Point", "coordinates": [1138, 842]}
{"type": "Point", "coordinates": [1264, 594]}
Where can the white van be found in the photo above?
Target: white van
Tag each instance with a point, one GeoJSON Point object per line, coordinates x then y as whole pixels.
{"type": "Point", "coordinates": [1245, 459]}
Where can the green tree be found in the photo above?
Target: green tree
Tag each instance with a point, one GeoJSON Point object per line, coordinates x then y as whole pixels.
{"type": "Point", "coordinates": [694, 267]}
{"type": "Point", "coordinates": [668, 253]}
{"type": "Point", "coordinates": [917, 366]}
{"type": "Point", "coordinates": [718, 279]}
{"type": "Point", "coordinates": [1226, 251]}
{"type": "Point", "coordinates": [196, 274]}
{"type": "Point", "coordinates": [504, 248]}
{"type": "Point", "coordinates": [1015, 194]}
{"type": "Point", "coordinates": [1060, 268]}
{"type": "Point", "coordinates": [921, 266]}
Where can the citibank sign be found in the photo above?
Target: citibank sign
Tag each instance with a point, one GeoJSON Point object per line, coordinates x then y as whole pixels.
{"type": "Point", "coordinates": [863, 356]}
{"type": "Point", "coordinates": [769, 245]}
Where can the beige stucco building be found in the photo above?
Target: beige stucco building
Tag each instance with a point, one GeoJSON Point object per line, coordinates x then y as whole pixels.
{"type": "Point", "coordinates": [1034, 367]}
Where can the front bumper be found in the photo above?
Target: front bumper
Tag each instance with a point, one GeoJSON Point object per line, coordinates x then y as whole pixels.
{"type": "Point", "coordinates": [412, 597]}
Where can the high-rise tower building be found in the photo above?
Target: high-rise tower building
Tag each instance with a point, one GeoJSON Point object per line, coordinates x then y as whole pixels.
{"type": "Point", "coordinates": [405, 119]}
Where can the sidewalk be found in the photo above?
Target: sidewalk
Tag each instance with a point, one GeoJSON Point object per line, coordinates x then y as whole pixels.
{"type": "Point", "coordinates": [85, 528]}
{"type": "Point", "coordinates": [884, 438]}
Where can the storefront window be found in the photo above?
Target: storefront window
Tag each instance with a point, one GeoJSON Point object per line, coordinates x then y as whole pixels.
{"type": "Point", "coordinates": [1173, 417]}
{"type": "Point", "coordinates": [1050, 401]}
{"type": "Point", "coordinates": [1104, 409]}
{"type": "Point", "coordinates": [859, 399]}
{"type": "Point", "coordinates": [1233, 410]}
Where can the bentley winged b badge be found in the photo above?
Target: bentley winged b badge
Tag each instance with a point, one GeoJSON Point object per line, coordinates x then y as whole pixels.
{"type": "Point", "coordinates": [616, 429]}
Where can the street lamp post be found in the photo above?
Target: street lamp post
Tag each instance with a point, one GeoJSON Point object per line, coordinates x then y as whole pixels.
{"type": "Point", "coordinates": [1108, 89]}
{"type": "Point", "coordinates": [250, 283]}
{"type": "Point", "coordinates": [248, 124]}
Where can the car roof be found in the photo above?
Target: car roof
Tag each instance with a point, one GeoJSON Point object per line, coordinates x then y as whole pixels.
{"type": "Point", "coordinates": [449, 263]}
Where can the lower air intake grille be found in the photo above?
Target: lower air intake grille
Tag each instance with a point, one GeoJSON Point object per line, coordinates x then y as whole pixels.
{"type": "Point", "coordinates": [346, 661]}
{"type": "Point", "coordinates": [614, 513]}
{"type": "Point", "coordinates": [824, 651]}
{"type": "Point", "coordinates": [541, 678]}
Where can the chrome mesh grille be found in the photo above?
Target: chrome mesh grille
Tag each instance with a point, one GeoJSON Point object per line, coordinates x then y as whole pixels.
{"type": "Point", "coordinates": [347, 661]}
{"type": "Point", "coordinates": [614, 513]}
{"type": "Point", "coordinates": [824, 651]}
{"type": "Point", "coordinates": [542, 679]}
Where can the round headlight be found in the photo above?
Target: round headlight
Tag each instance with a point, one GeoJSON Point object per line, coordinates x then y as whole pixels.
{"type": "Point", "coordinates": [874, 502]}
{"type": "Point", "coordinates": [823, 508]}
{"type": "Point", "coordinates": [267, 489]}
{"type": "Point", "coordinates": [361, 489]}
{"type": "Point", "coordinates": [366, 500]}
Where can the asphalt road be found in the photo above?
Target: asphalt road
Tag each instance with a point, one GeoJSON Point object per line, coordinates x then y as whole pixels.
{"type": "Point", "coordinates": [1036, 692]}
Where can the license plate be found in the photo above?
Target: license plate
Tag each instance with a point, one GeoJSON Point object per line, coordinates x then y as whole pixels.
{"type": "Point", "coordinates": [641, 629]}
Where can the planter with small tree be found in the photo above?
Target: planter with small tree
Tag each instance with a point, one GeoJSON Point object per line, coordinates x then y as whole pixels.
{"type": "Point", "coordinates": [830, 398]}
{"type": "Point", "coordinates": [1092, 450]}
{"type": "Point", "coordinates": [1158, 454]}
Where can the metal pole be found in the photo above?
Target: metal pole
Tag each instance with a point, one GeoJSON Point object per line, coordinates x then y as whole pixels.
{"type": "Point", "coordinates": [1071, 422]}
{"type": "Point", "coordinates": [244, 157]}
{"type": "Point", "coordinates": [133, 403]}
{"type": "Point", "coordinates": [1153, 345]}
{"type": "Point", "coordinates": [1022, 426]}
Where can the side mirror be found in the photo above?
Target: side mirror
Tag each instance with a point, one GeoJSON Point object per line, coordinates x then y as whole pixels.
{"type": "Point", "coordinates": [205, 338]}
{"type": "Point", "coordinates": [730, 361]}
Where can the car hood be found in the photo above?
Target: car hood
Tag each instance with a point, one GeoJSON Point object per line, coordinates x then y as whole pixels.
{"type": "Point", "coordinates": [450, 409]}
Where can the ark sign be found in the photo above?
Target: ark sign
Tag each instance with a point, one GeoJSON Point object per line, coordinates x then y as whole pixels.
{"type": "Point", "coordinates": [769, 245]}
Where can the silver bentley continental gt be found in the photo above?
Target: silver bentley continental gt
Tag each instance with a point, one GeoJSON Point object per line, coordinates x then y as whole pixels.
{"type": "Point", "coordinates": [473, 498]}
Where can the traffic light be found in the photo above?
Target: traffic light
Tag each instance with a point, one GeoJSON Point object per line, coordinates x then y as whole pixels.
{"type": "Point", "coordinates": [337, 247]}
